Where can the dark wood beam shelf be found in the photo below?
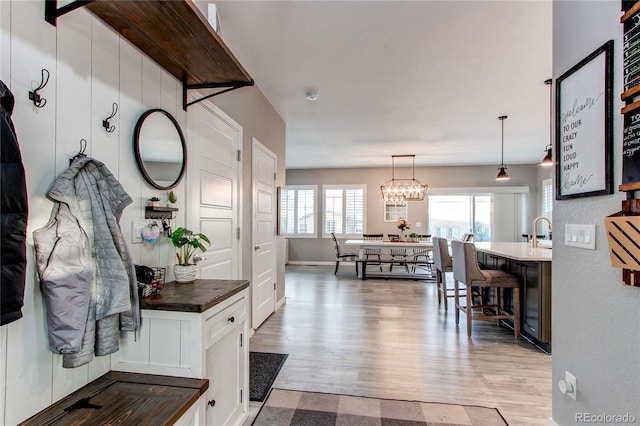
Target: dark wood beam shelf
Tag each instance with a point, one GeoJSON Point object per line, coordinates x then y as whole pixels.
{"type": "Point", "coordinates": [176, 35]}
{"type": "Point", "coordinates": [151, 212]}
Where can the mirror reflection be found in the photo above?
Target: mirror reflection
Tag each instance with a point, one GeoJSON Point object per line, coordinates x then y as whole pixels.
{"type": "Point", "coordinates": [160, 149]}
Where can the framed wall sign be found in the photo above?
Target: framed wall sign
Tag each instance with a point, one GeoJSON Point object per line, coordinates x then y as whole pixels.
{"type": "Point", "coordinates": [583, 127]}
{"type": "Point", "coordinates": [394, 211]}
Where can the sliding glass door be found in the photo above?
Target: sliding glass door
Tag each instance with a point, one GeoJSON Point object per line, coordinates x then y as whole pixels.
{"type": "Point", "coordinates": [451, 216]}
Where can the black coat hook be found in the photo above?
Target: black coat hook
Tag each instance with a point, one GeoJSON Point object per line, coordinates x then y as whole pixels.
{"type": "Point", "coordinates": [83, 148]}
{"type": "Point", "coordinates": [39, 101]}
{"type": "Point", "coordinates": [105, 123]}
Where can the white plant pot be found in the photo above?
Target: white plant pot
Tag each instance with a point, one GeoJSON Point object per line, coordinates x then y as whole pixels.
{"type": "Point", "coordinates": [185, 274]}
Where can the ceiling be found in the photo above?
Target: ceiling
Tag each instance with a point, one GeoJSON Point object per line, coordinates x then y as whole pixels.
{"type": "Point", "coordinates": [428, 78]}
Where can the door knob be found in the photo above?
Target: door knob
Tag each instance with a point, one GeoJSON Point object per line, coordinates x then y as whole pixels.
{"type": "Point", "coordinates": [211, 403]}
{"type": "Point", "coordinates": [257, 247]}
{"type": "Point", "coordinates": [231, 319]}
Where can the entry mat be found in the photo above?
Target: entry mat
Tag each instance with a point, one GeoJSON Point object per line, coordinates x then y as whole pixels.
{"type": "Point", "coordinates": [263, 370]}
{"type": "Point", "coordinates": [287, 407]}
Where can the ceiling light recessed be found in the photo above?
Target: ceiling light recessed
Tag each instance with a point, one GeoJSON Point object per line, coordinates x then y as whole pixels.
{"type": "Point", "coordinates": [312, 96]}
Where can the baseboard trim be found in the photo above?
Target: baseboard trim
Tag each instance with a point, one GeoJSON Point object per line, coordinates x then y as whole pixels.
{"type": "Point", "coordinates": [280, 303]}
{"type": "Point", "coordinates": [316, 263]}
{"type": "Point", "coordinates": [552, 423]}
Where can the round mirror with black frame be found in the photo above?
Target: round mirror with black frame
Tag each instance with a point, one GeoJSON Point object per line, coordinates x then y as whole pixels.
{"type": "Point", "coordinates": [160, 149]}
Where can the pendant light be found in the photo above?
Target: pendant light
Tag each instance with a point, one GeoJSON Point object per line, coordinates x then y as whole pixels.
{"type": "Point", "coordinates": [502, 170]}
{"type": "Point", "coordinates": [547, 161]}
{"type": "Point", "coordinates": [401, 190]}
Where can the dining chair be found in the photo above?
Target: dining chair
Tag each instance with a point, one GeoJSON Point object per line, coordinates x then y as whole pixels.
{"type": "Point", "coordinates": [398, 255]}
{"type": "Point", "coordinates": [343, 256]}
{"type": "Point", "coordinates": [467, 272]}
{"type": "Point", "coordinates": [373, 252]}
{"type": "Point", "coordinates": [422, 257]}
{"type": "Point", "coordinates": [443, 264]}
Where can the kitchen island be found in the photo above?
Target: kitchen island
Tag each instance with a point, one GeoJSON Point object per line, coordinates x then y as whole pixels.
{"type": "Point", "coordinates": [533, 266]}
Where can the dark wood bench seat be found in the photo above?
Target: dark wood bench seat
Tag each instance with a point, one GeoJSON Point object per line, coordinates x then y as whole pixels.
{"type": "Point", "coordinates": [361, 265]}
{"type": "Point", "coordinates": [124, 399]}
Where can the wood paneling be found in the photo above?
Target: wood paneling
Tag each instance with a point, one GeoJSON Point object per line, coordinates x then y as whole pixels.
{"type": "Point", "coordinates": [27, 361]}
{"type": "Point", "coordinates": [90, 67]}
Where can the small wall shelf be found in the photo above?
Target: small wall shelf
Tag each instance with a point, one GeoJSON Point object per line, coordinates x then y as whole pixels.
{"type": "Point", "coordinates": [151, 212]}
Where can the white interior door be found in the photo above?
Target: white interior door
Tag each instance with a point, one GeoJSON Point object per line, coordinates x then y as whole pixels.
{"type": "Point", "coordinates": [264, 248]}
{"type": "Point", "coordinates": [213, 184]}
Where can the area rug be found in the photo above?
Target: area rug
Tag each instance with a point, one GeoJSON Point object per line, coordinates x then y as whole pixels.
{"type": "Point", "coordinates": [286, 407]}
{"type": "Point", "coordinates": [263, 370]}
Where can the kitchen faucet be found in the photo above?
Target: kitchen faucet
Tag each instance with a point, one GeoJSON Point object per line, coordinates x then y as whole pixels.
{"type": "Point", "coordinates": [534, 238]}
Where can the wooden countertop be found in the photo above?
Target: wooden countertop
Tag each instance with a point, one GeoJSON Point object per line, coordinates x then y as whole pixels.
{"type": "Point", "coordinates": [197, 296]}
{"type": "Point", "coordinates": [125, 398]}
{"type": "Point", "coordinates": [516, 251]}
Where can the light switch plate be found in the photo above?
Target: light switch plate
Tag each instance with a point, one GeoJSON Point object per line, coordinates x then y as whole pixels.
{"type": "Point", "coordinates": [580, 235]}
{"type": "Point", "coordinates": [136, 231]}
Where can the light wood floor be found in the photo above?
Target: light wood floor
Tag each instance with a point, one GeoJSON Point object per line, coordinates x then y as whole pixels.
{"type": "Point", "coordinates": [389, 339]}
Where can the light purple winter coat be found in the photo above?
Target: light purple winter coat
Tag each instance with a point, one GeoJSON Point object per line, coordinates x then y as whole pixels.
{"type": "Point", "coordinates": [86, 274]}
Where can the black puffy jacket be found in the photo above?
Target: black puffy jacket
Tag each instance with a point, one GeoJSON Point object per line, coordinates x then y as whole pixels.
{"type": "Point", "coordinates": [13, 216]}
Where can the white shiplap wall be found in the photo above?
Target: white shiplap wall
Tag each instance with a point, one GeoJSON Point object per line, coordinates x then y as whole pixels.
{"type": "Point", "coordinates": [91, 67]}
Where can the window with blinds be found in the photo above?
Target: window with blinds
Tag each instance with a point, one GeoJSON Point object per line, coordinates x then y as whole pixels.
{"type": "Point", "coordinates": [298, 211]}
{"type": "Point", "coordinates": [343, 212]}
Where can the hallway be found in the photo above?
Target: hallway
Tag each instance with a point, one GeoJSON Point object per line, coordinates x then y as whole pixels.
{"type": "Point", "coordinates": [389, 339]}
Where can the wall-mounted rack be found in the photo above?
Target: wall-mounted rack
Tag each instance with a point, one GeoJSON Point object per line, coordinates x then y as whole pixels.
{"type": "Point", "coordinates": [151, 212]}
{"type": "Point", "coordinates": [623, 227]}
{"type": "Point", "coordinates": [175, 34]}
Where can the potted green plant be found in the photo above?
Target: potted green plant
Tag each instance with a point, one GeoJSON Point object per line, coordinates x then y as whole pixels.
{"type": "Point", "coordinates": [171, 198]}
{"type": "Point", "coordinates": [154, 201]}
{"type": "Point", "coordinates": [187, 244]}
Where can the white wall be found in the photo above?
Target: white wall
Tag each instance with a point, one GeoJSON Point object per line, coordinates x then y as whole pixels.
{"type": "Point", "coordinates": [595, 318]}
{"type": "Point", "coordinates": [91, 67]}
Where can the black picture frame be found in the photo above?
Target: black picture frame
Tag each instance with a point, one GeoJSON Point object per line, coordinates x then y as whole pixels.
{"type": "Point", "coordinates": [584, 119]}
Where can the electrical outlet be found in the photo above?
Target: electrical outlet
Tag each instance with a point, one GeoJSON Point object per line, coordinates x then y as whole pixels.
{"type": "Point", "coordinates": [569, 386]}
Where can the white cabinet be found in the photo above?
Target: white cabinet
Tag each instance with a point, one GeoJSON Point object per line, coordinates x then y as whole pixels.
{"type": "Point", "coordinates": [212, 344]}
{"type": "Point", "coordinates": [226, 372]}
{"type": "Point", "coordinates": [193, 416]}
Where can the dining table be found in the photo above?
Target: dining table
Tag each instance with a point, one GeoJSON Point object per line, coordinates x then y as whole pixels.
{"type": "Point", "coordinates": [412, 248]}
{"type": "Point", "coordinates": [412, 245]}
